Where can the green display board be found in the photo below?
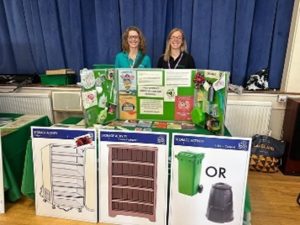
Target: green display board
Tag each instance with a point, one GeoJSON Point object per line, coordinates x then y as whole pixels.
{"type": "Point", "coordinates": [156, 94]}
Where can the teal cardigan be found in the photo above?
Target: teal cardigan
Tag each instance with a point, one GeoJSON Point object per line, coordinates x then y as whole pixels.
{"type": "Point", "coordinates": [123, 61]}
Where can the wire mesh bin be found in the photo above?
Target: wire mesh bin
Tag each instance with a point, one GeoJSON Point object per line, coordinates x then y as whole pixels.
{"type": "Point", "coordinates": [189, 171]}
{"type": "Point", "coordinates": [132, 180]}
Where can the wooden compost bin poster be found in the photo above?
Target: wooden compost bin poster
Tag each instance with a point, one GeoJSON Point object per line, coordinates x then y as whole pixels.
{"type": "Point", "coordinates": [208, 179]}
{"type": "Point", "coordinates": [133, 177]}
{"type": "Point", "coordinates": [65, 172]}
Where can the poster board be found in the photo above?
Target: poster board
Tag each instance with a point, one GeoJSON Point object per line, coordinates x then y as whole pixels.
{"type": "Point", "coordinates": [133, 177]}
{"type": "Point", "coordinates": [2, 202]}
{"type": "Point", "coordinates": [99, 95]}
{"type": "Point", "coordinates": [65, 171]}
{"type": "Point", "coordinates": [159, 91]}
{"type": "Point", "coordinates": [152, 93]}
{"type": "Point", "coordinates": [208, 179]}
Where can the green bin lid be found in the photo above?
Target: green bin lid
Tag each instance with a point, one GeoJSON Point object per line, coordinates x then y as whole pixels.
{"type": "Point", "coordinates": [191, 156]}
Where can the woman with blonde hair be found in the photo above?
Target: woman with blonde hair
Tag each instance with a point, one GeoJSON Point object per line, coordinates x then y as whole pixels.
{"type": "Point", "coordinates": [176, 55]}
{"type": "Point", "coordinates": [133, 53]}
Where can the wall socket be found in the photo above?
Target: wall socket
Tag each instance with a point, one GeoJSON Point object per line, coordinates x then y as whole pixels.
{"type": "Point", "coordinates": [282, 98]}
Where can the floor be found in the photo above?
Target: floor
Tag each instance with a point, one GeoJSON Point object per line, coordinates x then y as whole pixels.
{"type": "Point", "coordinates": [273, 199]}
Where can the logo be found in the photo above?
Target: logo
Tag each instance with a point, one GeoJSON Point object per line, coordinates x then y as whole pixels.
{"type": "Point", "coordinates": [161, 140]}
{"type": "Point", "coordinates": [243, 145]}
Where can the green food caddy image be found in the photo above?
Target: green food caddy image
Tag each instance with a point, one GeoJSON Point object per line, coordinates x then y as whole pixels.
{"type": "Point", "coordinates": [189, 170]}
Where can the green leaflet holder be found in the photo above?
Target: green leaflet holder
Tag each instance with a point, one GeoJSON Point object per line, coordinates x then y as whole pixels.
{"type": "Point", "coordinates": [189, 170]}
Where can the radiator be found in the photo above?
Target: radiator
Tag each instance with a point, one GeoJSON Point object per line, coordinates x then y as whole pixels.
{"type": "Point", "coordinates": [26, 103]}
{"type": "Point", "coordinates": [246, 118]}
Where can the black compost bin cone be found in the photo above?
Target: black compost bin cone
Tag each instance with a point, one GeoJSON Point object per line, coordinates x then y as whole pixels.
{"type": "Point", "coordinates": [220, 205]}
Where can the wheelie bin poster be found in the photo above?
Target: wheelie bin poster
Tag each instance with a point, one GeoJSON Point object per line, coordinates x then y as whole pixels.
{"type": "Point", "coordinates": [208, 179]}
{"type": "Point", "coordinates": [65, 173]}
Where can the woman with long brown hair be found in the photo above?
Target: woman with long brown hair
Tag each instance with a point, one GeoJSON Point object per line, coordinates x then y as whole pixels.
{"type": "Point", "coordinates": [176, 55]}
{"type": "Point", "coordinates": [133, 53]}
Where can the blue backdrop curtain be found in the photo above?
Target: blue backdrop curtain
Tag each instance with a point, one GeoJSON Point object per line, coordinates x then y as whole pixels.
{"type": "Point", "coordinates": [240, 36]}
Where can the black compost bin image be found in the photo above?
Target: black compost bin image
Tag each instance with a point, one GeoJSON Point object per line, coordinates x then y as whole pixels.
{"type": "Point", "coordinates": [220, 205]}
{"type": "Point", "coordinates": [189, 170]}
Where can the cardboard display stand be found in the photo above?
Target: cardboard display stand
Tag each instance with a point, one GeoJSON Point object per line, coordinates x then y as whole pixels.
{"type": "Point", "coordinates": [65, 171]}
{"type": "Point", "coordinates": [2, 203]}
{"type": "Point", "coordinates": [208, 179]}
{"type": "Point", "coordinates": [133, 177]}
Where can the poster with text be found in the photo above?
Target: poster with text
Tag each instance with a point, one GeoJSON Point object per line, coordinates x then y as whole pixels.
{"type": "Point", "coordinates": [65, 173]}
{"type": "Point", "coordinates": [133, 177]}
{"type": "Point", "coordinates": [127, 82]}
{"type": "Point", "coordinates": [208, 179]}
{"type": "Point", "coordinates": [2, 203]}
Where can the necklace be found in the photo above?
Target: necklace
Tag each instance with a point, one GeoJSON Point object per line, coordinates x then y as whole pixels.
{"type": "Point", "coordinates": [133, 62]}
{"type": "Point", "coordinates": [176, 65]}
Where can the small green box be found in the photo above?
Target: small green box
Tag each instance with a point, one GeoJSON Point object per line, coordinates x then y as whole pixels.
{"type": "Point", "coordinates": [57, 80]}
{"type": "Point", "coordinates": [189, 171]}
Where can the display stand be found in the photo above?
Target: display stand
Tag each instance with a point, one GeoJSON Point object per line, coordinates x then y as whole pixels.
{"type": "Point", "coordinates": [65, 170]}
{"type": "Point", "coordinates": [156, 94]}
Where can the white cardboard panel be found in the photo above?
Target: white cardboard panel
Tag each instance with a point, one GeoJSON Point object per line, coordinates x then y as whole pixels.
{"type": "Point", "coordinates": [133, 177]}
{"type": "Point", "coordinates": [222, 175]}
{"type": "Point", "coordinates": [65, 171]}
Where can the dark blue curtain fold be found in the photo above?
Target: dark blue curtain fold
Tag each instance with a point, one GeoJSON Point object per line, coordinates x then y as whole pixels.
{"type": "Point", "coordinates": [222, 34]}
{"type": "Point", "coordinates": [262, 34]}
{"type": "Point", "coordinates": [7, 57]}
{"type": "Point", "coordinates": [107, 31]}
{"type": "Point", "coordinates": [279, 42]}
{"type": "Point", "coordinates": [240, 36]}
{"type": "Point", "coordinates": [243, 29]}
{"type": "Point", "coordinates": [201, 32]}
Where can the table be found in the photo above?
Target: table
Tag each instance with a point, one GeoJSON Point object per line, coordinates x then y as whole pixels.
{"type": "Point", "coordinates": [28, 189]}
{"type": "Point", "coordinates": [13, 153]}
